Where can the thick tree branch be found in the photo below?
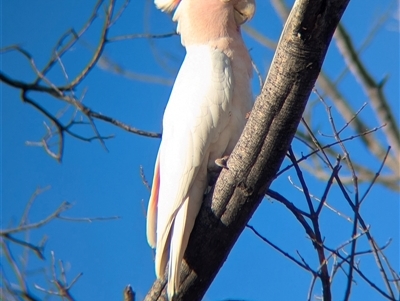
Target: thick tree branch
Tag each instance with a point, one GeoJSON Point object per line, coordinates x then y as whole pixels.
{"type": "Point", "coordinates": [259, 153]}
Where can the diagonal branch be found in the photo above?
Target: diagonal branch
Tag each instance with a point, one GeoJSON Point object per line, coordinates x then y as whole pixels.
{"type": "Point", "coordinates": [373, 89]}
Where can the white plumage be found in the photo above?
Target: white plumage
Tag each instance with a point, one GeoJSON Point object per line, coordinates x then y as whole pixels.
{"type": "Point", "coordinates": [203, 120]}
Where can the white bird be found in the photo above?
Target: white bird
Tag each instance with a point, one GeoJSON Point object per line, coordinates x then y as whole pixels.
{"type": "Point", "coordinates": [203, 120]}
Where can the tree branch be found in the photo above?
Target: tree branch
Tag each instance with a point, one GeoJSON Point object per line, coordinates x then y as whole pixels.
{"type": "Point", "coordinates": [373, 89]}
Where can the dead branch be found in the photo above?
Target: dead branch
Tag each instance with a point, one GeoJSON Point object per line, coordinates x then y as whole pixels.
{"type": "Point", "coordinates": [42, 84]}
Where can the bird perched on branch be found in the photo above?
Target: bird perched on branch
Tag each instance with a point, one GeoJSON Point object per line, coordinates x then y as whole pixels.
{"type": "Point", "coordinates": [204, 117]}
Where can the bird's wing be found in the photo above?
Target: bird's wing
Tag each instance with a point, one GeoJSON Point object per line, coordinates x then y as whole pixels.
{"type": "Point", "coordinates": [197, 112]}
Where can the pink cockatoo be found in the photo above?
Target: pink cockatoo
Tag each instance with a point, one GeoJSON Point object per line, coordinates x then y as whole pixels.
{"type": "Point", "coordinates": [203, 120]}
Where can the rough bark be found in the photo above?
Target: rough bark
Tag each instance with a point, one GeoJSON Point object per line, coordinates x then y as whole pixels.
{"type": "Point", "coordinates": [261, 148]}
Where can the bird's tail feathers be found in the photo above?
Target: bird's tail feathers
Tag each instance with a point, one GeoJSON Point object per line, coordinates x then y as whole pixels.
{"type": "Point", "coordinates": [182, 227]}
{"type": "Point", "coordinates": [151, 221]}
{"type": "Point", "coordinates": [180, 236]}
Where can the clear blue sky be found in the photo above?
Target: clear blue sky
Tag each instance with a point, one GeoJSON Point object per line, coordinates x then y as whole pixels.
{"type": "Point", "coordinates": [112, 254]}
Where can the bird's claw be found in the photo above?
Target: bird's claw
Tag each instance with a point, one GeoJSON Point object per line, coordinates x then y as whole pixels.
{"type": "Point", "coordinates": [222, 162]}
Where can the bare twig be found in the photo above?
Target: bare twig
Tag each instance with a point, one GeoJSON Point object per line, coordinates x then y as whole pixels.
{"type": "Point", "coordinates": [88, 219]}
{"type": "Point", "coordinates": [343, 106]}
{"type": "Point", "coordinates": [122, 125]}
{"type": "Point", "coordinates": [66, 93]}
{"type": "Point", "coordinates": [317, 240]}
{"type": "Point", "coordinates": [62, 286]}
{"type": "Point", "coordinates": [38, 250]}
{"type": "Point", "coordinates": [21, 279]}
{"type": "Point", "coordinates": [327, 147]}
{"type": "Point", "coordinates": [96, 56]}
{"type": "Point", "coordinates": [377, 174]}
{"type": "Point", "coordinates": [335, 171]}
{"type": "Point", "coordinates": [356, 197]}
{"type": "Point", "coordinates": [60, 51]}
{"type": "Point", "coordinates": [38, 191]}
{"type": "Point", "coordinates": [120, 12]}
{"type": "Point", "coordinates": [371, 240]}
{"type": "Point", "coordinates": [362, 275]}
{"type": "Point", "coordinates": [63, 207]}
{"type": "Point", "coordinates": [143, 177]}
{"type": "Point", "coordinates": [141, 36]}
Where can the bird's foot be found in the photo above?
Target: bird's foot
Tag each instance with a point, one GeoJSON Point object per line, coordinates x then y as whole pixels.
{"type": "Point", "coordinates": [221, 162]}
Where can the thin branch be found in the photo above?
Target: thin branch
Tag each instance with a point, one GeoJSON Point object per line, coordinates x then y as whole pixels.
{"type": "Point", "coordinates": [343, 106]}
{"type": "Point", "coordinates": [302, 181]}
{"type": "Point", "coordinates": [260, 79]}
{"type": "Point", "coordinates": [356, 196]}
{"type": "Point", "coordinates": [63, 207]}
{"type": "Point", "coordinates": [340, 214]}
{"type": "Point", "coordinates": [55, 121]}
{"type": "Point", "coordinates": [96, 56]}
{"type": "Point", "coordinates": [377, 174]}
{"type": "Point", "coordinates": [24, 86]}
{"type": "Point", "coordinates": [365, 174]}
{"type": "Point", "coordinates": [62, 287]}
{"type": "Point", "coordinates": [38, 250]}
{"type": "Point", "coordinates": [57, 54]}
{"type": "Point", "coordinates": [331, 89]}
{"type": "Point", "coordinates": [373, 89]}
{"type": "Point", "coordinates": [38, 191]}
{"type": "Point", "coordinates": [327, 147]}
{"type": "Point", "coordinates": [287, 255]}
{"type": "Point", "coordinates": [354, 117]}
{"type": "Point", "coordinates": [317, 241]}
{"type": "Point", "coordinates": [141, 36]}
{"type": "Point", "coordinates": [14, 266]}
{"type": "Point", "coordinates": [143, 177]}
{"type": "Point", "coordinates": [88, 219]}
{"type": "Point", "coordinates": [122, 125]}
{"type": "Point", "coordinates": [371, 240]}
{"type": "Point", "coordinates": [120, 12]}
{"type": "Point", "coordinates": [298, 213]}
{"type": "Point", "coordinates": [335, 171]}
{"type": "Point", "coordinates": [365, 278]}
